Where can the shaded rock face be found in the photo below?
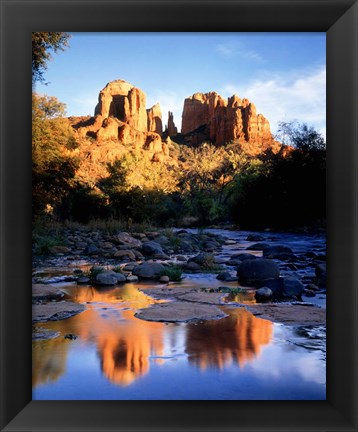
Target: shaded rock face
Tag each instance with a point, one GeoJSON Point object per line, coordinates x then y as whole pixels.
{"type": "Point", "coordinates": [155, 119]}
{"type": "Point", "coordinates": [172, 130]}
{"type": "Point", "coordinates": [257, 271]}
{"type": "Point", "coordinates": [210, 117]}
{"type": "Point", "coordinates": [125, 102]}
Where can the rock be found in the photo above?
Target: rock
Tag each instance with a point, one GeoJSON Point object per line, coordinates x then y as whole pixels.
{"type": "Point", "coordinates": [83, 280]}
{"type": "Point", "coordinates": [125, 254]}
{"type": "Point", "coordinates": [226, 276]}
{"type": "Point", "coordinates": [277, 251]}
{"type": "Point", "coordinates": [91, 250]}
{"type": "Point", "coordinates": [171, 129]}
{"type": "Point", "coordinates": [164, 279]}
{"type": "Point", "coordinates": [55, 311]}
{"type": "Point", "coordinates": [309, 293]}
{"type": "Point", "coordinates": [148, 270]}
{"type": "Point", "coordinates": [255, 238]}
{"type": "Point", "coordinates": [203, 259]}
{"type": "Point", "coordinates": [285, 287]}
{"type": "Point", "coordinates": [321, 274]}
{"type": "Point", "coordinates": [258, 246]}
{"type": "Point", "coordinates": [182, 311]}
{"type": "Point", "coordinates": [154, 115]}
{"type": "Point", "coordinates": [59, 249]}
{"type": "Point", "coordinates": [263, 294]}
{"type": "Point", "coordinates": [46, 292]}
{"type": "Point", "coordinates": [132, 278]}
{"type": "Point", "coordinates": [243, 256]}
{"type": "Point", "coordinates": [255, 272]}
{"type": "Point", "coordinates": [109, 277]}
{"type": "Point", "coordinates": [154, 249]}
{"type": "Point", "coordinates": [124, 238]}
{"type": "Point", "coordinates": [209, 117]}
{"type": "Point", "coordinates": [181, 258]}
{"type": "Point", "coordinates": [192, 266]}
{"type": "Point", "coordinates": [123, 101]}
{"type": "Point", "coordinates": [312, 287]}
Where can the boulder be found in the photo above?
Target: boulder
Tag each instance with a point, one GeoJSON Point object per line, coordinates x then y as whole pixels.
{"type": "Point", "coordinates": [258, 246]}
{"type": "Point", "coordinates": [203, 259]}
{"type": "Point", "coordinates": [255, 272]}
{"type": "Point", "coordinates": [226, 276]}
{"type": "Point", "coordinates": [277, 251]}
{"type": "Point", "coordinates": [255, 238]}
{"type": "Point", "coordinates": [285, 287]}
{"type": "Point", "coordinates": [124, 238]}
{"type": "Point", "coordinates": [263, 294]}
{"type": "Point", "coordinates": [321, 274]}
{"type": "Point", "coordinates": [109, 277]}
{"type": "Point", "coordinates": [148, 270]}
{"type": "Point", "coordinates": [152, 248]}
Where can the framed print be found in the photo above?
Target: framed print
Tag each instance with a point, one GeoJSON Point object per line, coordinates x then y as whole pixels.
{"type": "Point", "coordinates": [179, 399]}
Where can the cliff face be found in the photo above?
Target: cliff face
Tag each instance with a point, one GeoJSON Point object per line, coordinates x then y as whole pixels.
{"type": "Point", "coordinates": [209, 117]}
{"type": "Point", "coordinates": [154, 115]}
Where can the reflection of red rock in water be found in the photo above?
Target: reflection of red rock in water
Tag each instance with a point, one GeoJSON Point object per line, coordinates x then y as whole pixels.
{"type": "Point", "coordinates": [237, 338]}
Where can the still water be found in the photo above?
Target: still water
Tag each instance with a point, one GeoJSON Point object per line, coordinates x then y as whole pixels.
{"type": "Point", "coordinates": [117, 356]}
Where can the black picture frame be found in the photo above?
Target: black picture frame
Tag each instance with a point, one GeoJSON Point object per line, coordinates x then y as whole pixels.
{"type": "Point", "coordinates": [338, 18]}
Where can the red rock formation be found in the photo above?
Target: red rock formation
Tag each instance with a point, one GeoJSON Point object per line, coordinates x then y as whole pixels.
{"type": "Point", "coordinates": [121, 100]}
{"type": "Point", "coordinates": [172, 130]}
{"type": "Point", "coordinates": [155, 119]}
{"type": "Point", "coordinates": [210, 117]}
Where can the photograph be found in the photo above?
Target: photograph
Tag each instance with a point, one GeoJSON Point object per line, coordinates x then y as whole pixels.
{"type": "Point", "coordinates": [179, 216]}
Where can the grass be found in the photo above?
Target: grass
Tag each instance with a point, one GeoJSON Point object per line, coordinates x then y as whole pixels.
{"type": "Point", "coordinates": [174, 273]}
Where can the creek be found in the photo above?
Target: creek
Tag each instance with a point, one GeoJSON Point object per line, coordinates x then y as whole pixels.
{"type": "Point", "coordinates": [116, 356]}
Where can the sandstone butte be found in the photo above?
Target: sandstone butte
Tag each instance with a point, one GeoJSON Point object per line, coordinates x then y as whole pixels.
{"type": "Point", "coordinates": [121, 121]}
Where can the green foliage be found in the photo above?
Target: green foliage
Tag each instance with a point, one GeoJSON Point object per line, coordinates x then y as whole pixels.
{"type": "Point", "coordinates": [53, 168]}
{"type": "Point", "coordinates": [174, 273]}
{"type": "Point", "coordinates": [43, 43]}
{"type": "Point", "coordinates": [42, 244]}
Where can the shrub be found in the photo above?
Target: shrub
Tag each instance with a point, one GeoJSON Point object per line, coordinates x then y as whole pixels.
{"type": "Point", "coordinates": [174, 273]}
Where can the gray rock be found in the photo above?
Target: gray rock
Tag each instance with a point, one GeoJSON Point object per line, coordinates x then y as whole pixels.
{"type": "Point", "coordinates": [152, 248]}
{"type": "Point", "coordinates": [109, 278]}
{"type": "Point", "coordinates": [255, 272]}
{"type": "Point", "coordinates": [263, 294]}
{"type": "Point", "coordinates": [277, 251]}
{"type": "Point", "coordinates": [321, 274]}
{"type": "Point", "coordinates": [204, 259]}
{"type": "Point", "coordinates": [258, 246]}
{"type": "Point", "coordinates": [132, 278]}
{"type": "Point", "coordinates": [83, 280]}
{"type": "Point", "coordinates": [124, 238]}
{"type": "Point", "coordinates": [243, 256]}
{"type": "Point", "coordinates": [164, 279]}
{"type": "Point", "coordinates": [192, 266]}
{"type": "Point", "coordinates": [292, 287]}
{"type": "Point", "coordinates": [255, 238]}
{"type": "Point", "coordinates": [226, 276]}
{"type": "Point", "coordinates": [148, 270]}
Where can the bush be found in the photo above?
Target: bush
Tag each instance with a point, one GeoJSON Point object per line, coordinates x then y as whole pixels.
{"type": "Point", "coordinates": [174, 273]}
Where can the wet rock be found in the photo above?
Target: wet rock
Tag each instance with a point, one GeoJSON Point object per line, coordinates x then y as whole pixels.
{"type": "Point", "coordinates": [70, 336]}
{"type": "Point", "coordinates": [148, 270]}
{"type": "Point", "coordinates": [255, 272]}
{"type": "Point", "coordinates": [44, 334]}
{"type": "Point", "coordinates": [243, 256]}
{"type": "Point", "coordinates": [263, 294]}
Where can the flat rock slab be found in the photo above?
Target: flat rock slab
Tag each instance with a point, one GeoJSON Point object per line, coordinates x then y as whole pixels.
{"type": "Point", "coordinates": [44, 334]}
{"type": "Point", "coordinates": [290, 314]}
{"type": "Point", "coordinates": [181, 311]}
{"type": "Point", "coordinates": [166, 292]}
{"type": "Point", "coordinates": [44, 292]}
{"type": "Point", "coordinates": [55, 311]}
{"type": "Point", "coordinates": [203, 297]}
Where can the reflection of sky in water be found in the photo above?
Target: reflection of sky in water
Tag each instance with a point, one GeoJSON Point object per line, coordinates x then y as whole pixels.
{"type": "Point", "coordinates": [118, 356]}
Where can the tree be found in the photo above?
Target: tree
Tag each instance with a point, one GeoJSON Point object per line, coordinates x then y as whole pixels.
{"type": "Point", "coordinates": [53, 167]}
{"type": "Point", "coordinates": [42, 45]}
{"type": "Point", "coordinates": [301, 136]}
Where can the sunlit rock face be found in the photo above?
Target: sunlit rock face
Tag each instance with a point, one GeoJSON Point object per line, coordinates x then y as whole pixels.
{"type": "Point", "coordinates": [210, 117]}
{"type": "Point", "coordinates": [125, 102]}
{"type": "Point", "coordinates": [237, 339]}
{"type": "Point", "coordinates": [155, 119]}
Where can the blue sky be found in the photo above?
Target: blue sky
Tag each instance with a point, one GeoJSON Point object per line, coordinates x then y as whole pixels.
{"type": "Point", "coordinates": [283, 74]}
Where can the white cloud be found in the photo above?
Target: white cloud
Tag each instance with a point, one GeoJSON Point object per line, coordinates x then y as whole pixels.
{"type": "Point", "coordinates": [298, 96]}
{"type": "Point", "coordinates": [234, 48]}
{"type": "Point", "coordinates": [84, 105]}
